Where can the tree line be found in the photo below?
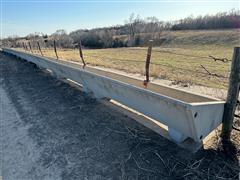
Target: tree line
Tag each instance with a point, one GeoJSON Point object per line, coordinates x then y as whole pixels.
{"type": "Point", "coordinates": [135, 32]}
{"type": "Point", "coordinates": [225, 20]}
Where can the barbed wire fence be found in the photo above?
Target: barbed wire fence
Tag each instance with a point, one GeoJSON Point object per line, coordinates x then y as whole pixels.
{"type": "Point", "coordinates": [202, 70]}
{"type": "Point", "coordinates": [228, 119]}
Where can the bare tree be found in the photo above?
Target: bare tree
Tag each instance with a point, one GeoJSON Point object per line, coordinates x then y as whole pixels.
{"type": "Point", "coordinates": [10, 41]}
{"type": "Point", "coordinates": [132, 23]}
{"type": "Point", "coordinates": [106, 37]}
{"type": "Point", "coordinates": [62, 39]}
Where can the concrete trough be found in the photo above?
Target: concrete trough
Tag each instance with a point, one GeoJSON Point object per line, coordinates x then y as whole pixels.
{"type": "Point", "coordinates": [187, 115]}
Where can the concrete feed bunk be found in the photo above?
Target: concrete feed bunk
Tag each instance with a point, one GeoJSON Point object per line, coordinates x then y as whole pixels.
{"type": "Point", "coordinates": [186, 114]}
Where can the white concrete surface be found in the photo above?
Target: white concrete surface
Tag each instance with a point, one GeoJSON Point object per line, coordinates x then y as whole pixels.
{"type": "Point", "coordinates": [187, 114]}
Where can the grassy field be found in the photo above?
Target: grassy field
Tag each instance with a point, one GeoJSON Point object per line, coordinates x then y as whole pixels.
{"type": "Point", "coordinates": [183, 68]}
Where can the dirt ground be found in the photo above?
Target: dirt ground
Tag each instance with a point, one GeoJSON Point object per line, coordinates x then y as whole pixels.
{"type": "Point", "coordinates": [52, 131]}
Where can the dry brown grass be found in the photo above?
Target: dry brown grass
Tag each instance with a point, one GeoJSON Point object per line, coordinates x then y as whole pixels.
{"type": "Point", "coordinates": [173, 67]}
{"type": "Point", "coordinates": [180, 69]}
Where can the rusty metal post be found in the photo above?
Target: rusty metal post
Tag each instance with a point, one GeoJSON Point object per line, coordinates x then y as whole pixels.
{"type": "Point", "coordinates": [81, 53]}
{"type": "Point", "coordinates": [39, 48]}
{"type": "Point", "coordinates": [148, 60]}
{"type": "Point", "coordinates": [232, 97]}
{"type": "Point", "coordinates": [30, 46]}
{"type": "Point", "coordinates": [55, 49]}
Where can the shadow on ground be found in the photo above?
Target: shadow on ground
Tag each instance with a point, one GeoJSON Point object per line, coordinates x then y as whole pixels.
{"type": "Point", "coordinates": [66, 134]}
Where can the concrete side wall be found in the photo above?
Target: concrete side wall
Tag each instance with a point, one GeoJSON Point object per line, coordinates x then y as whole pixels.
{"type": "Point", "coordinates": [177, 115]}
{"type": "Point", "coordinates": [178, 94]}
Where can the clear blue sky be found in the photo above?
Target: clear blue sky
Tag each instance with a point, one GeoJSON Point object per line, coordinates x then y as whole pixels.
{"type": "Point", "coordinates": [21, 17]}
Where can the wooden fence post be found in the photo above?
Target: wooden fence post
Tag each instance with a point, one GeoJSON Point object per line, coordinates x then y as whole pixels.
{"type": "Point", "coordinates": [26, 47]}
{"type": "Point", "coordinates": [55, 49]}
{"type": "Point", "coordinates": [39, 48]}
{"type": "Point", "coordinates": [147, 65]}
{"type": "Point", "coordinates": [30, 46]}
{"type": "Point", "coordinates": [81, 54]}
{"type": "Point", "coordinates": [23, 45]}
{"type": "Point", "coordinates": [232, 97]}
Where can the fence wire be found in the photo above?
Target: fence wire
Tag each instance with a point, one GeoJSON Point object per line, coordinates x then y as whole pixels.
{"type": "Point", "coordinates": [200, 70]}
{"type": "Point", "coordinates": [207, 72]}
{"type": "Point", "coordinates": [209, 57]}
